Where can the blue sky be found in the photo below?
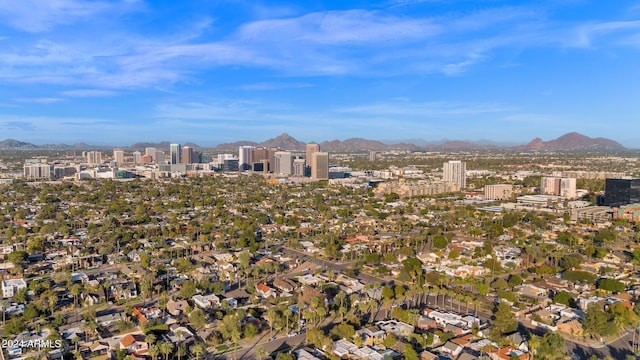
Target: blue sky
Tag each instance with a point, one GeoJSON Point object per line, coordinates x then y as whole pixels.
{"type": "Point", "coordinates": [122, 71]}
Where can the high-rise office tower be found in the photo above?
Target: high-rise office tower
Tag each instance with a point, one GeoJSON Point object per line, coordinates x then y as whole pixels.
{"type": "Point", "coordinates": [310, 149]}
{"type": "Point", "coordinates": [455, 171]}
{"type": "Point", "coordinates": [159, 159]}
{"type": "Point", "coordinates": [38, 171]}
{"type": "Point", "coordinates": [298, 167]}
{"type": "Point", "coordinates": [118, 156]}
{"type": "Point", "coordinates": [320, 165]}
{"type": "Point", "coordinates": [618, 192]}
{"type": "Point", "coordinates": [136, 157]}
{"type": "Point", "coordinates": [187, 155]}
{"type": "Point", "coordinates": [175, 152]}
{"type": "Point", "coordinates": [94, 157]}
{"type": "Point", "coordinates": [283, 163]}
{"type": "Point", "coordinates": [559, 186]}
{"type": "Point", "coordinates": [151, 151]}
{"type": "Point", "coordinates": [245, 157]}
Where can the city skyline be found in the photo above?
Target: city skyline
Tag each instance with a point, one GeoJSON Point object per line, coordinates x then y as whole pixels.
{"type": "Point", "coordinates": [127, 71]}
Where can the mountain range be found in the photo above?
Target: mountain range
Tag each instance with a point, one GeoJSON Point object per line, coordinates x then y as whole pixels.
{"type": "Point", "coordinates": [571, 142]}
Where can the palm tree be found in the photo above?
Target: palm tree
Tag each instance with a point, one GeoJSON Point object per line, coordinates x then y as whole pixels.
{"type": "Point", "coordinates": [198, 349]}
{"type": "Point", "coordinates": [261, 352]}
{"type": "Point", "coordinates": [154, 351]}
{"type": "Point", "coordinates": [166, 348]}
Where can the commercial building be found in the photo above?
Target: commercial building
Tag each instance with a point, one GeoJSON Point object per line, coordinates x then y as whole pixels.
{"type": "Point", "coordinates": [11, 286]}
{"type": "Point", "coordinates": [310, 149]}
{"type": "Point", "coordinates": [320, 165]}
{"type": "Point", "coordinates": [175, 152]}
{"type": "Point", "coordinates": [152, 152]}
{"type": "Point", "coordinates": [455, 171]}
{"type": "Point", "coordinates": [94, 157]}
{"type": "Point", "coordinates": [498, 192]}
{"type": "Point", "coordinates": [619, 192]}
{"type": "Point", "coordinates": [245, 157]}
{"type": "Point", "coordinates": [559, 186]}
{"type": "Point", "coordinates": [118, 156]}
{"type": "Point", "coordinates": [298, 167]}
{"type": "Point", "coordinates": [283, 163]}
{"type": "Point", "coordinates": [186, 155]}
{"type": "Point", "coordinates": [38, 171]}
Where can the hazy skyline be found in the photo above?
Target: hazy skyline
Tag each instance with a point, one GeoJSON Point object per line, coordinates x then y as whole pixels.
{"type": "Point", "coordinates": [124, 71]}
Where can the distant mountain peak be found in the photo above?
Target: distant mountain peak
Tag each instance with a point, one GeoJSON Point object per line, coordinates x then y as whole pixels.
{"type": "Point", "coordinates": [572, 141]}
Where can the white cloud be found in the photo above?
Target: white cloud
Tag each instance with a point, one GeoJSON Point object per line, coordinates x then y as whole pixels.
{"type": "Point", "coordinates": [90, 93]}
{"type": "Point", "coordinates": [40, 100]}
{"type": "Point", "coordinates": [38, 16]}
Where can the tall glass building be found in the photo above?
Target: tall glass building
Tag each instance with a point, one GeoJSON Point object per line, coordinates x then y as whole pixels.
{"type": "Point", "coordinates": [619, 192]}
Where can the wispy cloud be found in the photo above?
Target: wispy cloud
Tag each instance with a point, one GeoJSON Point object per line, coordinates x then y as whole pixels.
{"type": "Point", "coordinates": [347, 43]}
{"type": "Point", "coordinates": [274, 86]}
{"type": "Point", "coordinates": [40, 100]}
{"type": "Point", "coordinates": [90, 93]}
{"type": "Point", "coordinates": [38, 16]}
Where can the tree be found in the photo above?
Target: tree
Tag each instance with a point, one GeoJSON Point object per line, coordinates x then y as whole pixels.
{"type": "Point", "coordinates": [612, 285]}
{"type": "Point", "coordinates": [261, 353]}
{"type": "Point", "coordinates": [410, 353]}
{"type": "Point", "coordinates": [387, 292]}
{"type": "Point", "coordinates": [188, 289]}
{"type": "Point", "coordinates": [564, 298]}
{"type": "Point", "coordinates": [166, 348]}
{"type": "Point", "coordinates": [597, 321]}
{"type": "Point", "coordinates": [504, 321]}
{"type": "Point", "coordinates": [551, 347]}
{"type": "Point", "coordinates": [154, 351]}
{"type": "Point", "coordinates": [198, 349]}
{"type": "Point", "coordinates": [197, 319]}
{"type": "Point", "coordinates": [342, 331]}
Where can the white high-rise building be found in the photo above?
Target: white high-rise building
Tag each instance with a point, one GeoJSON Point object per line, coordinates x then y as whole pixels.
{"type": "Point", "coordinates": [136, 157]}
{"type": "Point", "coordinates": [245, 157]}
{"type": "Point", "coordinates": [283, 163]}
{"type": "Point", "coordinates": [118, 156]}
{"type": "Point", "coordinates": [38, 171]}
{"type": "Point", "coordinates": [455, 171]}
{"type": "Point", "coordinates": [159, 159]}
{"type": "Point", "coordinates": [298, 167]}
{"type": "Point", "coordinates": [175, 152]}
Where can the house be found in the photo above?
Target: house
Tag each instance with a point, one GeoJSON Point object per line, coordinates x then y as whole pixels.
{"type": "Point", "coordinates": [11, 286]}
{"type": "Point", "coordinates": [397, 328]}
{"type": "Point", "coordinates": [450, 348]}
{"type": "Point", "coordinates": [178, 334]}
{"type": "Point", "coordinates": [134, 344]}
{"type": "Point", "coordinates": [176, 308]}
{"type": "Point", "coordinates": [109, 319]}
{"type": "Point", "coordinates": [371, 335]}
{"type": "Point", "coordinates": [206, 301]}
{"type": "Point", "coordinates": [426, 355]}
{"type": "Point", "coordinates": [265, 291]}
{"type": "Point", "coordinates": [343, 348]}
{"type": "Point", "coordinates": [133, 256]}
{"type": "Point", "coordinates": [124, 291]}
{"type": "Point", "coordinates": [284, 285]}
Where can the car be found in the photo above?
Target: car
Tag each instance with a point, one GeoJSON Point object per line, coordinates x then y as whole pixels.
{"type": "Point", "coordinates": [292, 334]}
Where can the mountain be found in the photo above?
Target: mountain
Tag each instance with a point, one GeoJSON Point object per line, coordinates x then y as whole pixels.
{"type": "Point", "coordinates": [233, 147]}
{"type": "Point", "coordinates": [284, 141]}
{"type": "Point", "coordinates": [358, 144]}
{"type": "Point", "coordinates": [572, 141]}
{"type": "Point", "coordinates": [11, 144]}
